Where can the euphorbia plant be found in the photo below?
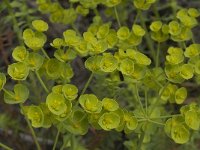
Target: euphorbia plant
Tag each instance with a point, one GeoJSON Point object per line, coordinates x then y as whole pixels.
{"type": "Point", "coordinates": [153, 79]}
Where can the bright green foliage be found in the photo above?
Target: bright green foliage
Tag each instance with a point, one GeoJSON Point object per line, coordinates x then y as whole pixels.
{"type": "Point", "coordinates": [90, 103]}
{"type": "Point", "coordinates": [127, 66]}
{"type": "Point", "coordinates": [57, 43]}
{"type": "Point", "coordinates": [192, 50]}
{"type": "Point", "coordinates": [192, 119]}
{"type": "Point", "coordinates": [93, 63]}
{"type": "Point", "coordinates": [70, 91]}
{"type": "Point", "coordinates": [138, 30]}
{"type": "Point", "coordinates": [19, 95]}
{"type": "Point", "coordinates": [20, 53]}
{"type": "Point", "coordinates": [130, 122]}
{"type": "Point", "coordinates": [112, 3]}
{"type": "Point", "coordinates": [108, 63]}
{"type": "Point", "coordinates": [175, 55]}
{"type": "Point", "coordinates": [53, 68]}
{"type": "Point", "coordinates": [66, 113]}
{"type": "Point", "coordinates": [110, 104]}
{"type": "Point", "coordinates": [81, 10]}
{"type": "Point", "coordinates": [193, 12]}
{"type": "Point", "coordinates": [56, 103]}
{"type": "Point", "coordinates": [180, 95]}
{"type": "Point", "coordinates": [156, 26]}
{"type": "Point", "coordinates": [63, 56]}
{"type": "Point", "coordinates": [140, 58]}
{"type": "Point", "coordinates": [34, 40]}
{"type": "Point", "coordinates": [174, 28]}
{"type": "Point", "coordinates": [36, 116]}
{"type": "Point", "coordinates": [70, 37]}
{"type": "Point", "coordinates": [143, 4]}
{"type": "Point", "coordinates": [123, 33]}
{"type": "Point", "coordinates": [40, 25]}
{"type": "Point", "coordinates": [2, 80]}
{"type": "Point", "coordinates": [18, 71]}
{"type": "Point", "coordinates": [109, 121]}
{"type": "Point", "coordinates": [176, 130]}
{"type": "Point", "coordinates": [77, 123]}
{"type": "Point", "coordinates": [186, 71]}
{"type": "Point", "coordinates": [35, 61]}
{"type": "Point", "coordinates": [66, 72]}
{"type": "Point", "coordinates": [103, 31]}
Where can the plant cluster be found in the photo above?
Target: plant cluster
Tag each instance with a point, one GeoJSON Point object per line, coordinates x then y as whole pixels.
{"type": "Point", "coordinates": [120, 57]}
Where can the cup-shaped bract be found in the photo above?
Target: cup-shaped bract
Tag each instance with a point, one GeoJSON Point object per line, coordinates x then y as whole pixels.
{"type": "Point", "coordinates": [108, 63]}
{"type": "Point", "coordinates": [123, 33]}
{"type": "Point", "coordinates": [97, 47]}
{"type": "Point", "coordinates": [2, 80]}
{"type": "Point", "coordinates": [110, 104]}
{"type": "Point", "coordinates": [90, 103]}
{"type": "Point", "coordinates": [174, 28]}
{"type": "Point", "coordinates": [130, 122]}
{"type": "Point", "coordinates": [141, 58]}
{"type": "Point", "coordinates": [20, 53]}
{"type": "Point", "coordinates": [47, 115]}
{"type": "Point", "coordinates": [197, 67]}
{"type": "Point", "coordinates": [77, 123]}
{"type": "Point", "coordinates": [138, 30]}
{"type": "Point", "coordinates": [63, 56]}
{"type": "Point", "coordinates": [18, 71]}
{"type": "Point", "coordinates": [35, 61]}
{"type": "Point", "coordinates": [66, 113]}
{"type": "Point", "coordinates": [36, 116]}
{"type": "Point", "coordinates": [93, 63]}
{"type": "Point", "coordinates": [175, 55]}
{"type": "Point", "coordinates": [111, 39]}
{"type": "Point", "coordinates": [193, 12]}
{"type": "Point", "coordinates": [57, 89]}
{"type": "Point", "coordinates": [109, 121]}
{"type": "Point", "coordinates": [20, 95]}
{"type": "Point", "coordinates": [143, 4]}
{"type": "Point", "coordinates": [103, 31]}
{"type": "Point", "coordinates": [56, 103]}
{"type": "Point", "coordinates": [53, 68]}
{"type": "Point", "coordinates": [187, 71]}
{"type": "Point", "coordinates": [81, 10]}
{"type": "Point", "coordinates": [192, 119]}
{"type": "Point", "coordinates": [70, 37]}
{"type": "Point", "coordinates": [70, 91]}
{"type": "Point", "coordinates": [40, 25]}
{"type": "Point", "coordinates": [192, 50]}
{"type": "Point", "coordinates": [127, 66]}
{"type": "Point", "coordinates": [66, 72]}
{"type": "Point", "coordinates": [57, 43]}
{"type": "Point", "coordinates": [180, 95]}
{"type": "Point", "coordinates": [28, 34]}
{"type": "Point", "coordinates": [180, 134]}
{"type": "Point", "coordinates": [112, 3]}
{"type": "Point", "coordinates": [156, 26]}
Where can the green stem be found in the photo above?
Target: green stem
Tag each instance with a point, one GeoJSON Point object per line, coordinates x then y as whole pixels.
{"type": "Point", "coordinates": [157, 55]}
{"type": "Point", "coordinates": [41, 82]}
{"type": "Point", "coordinates": [138, 98]}
{"type": "Point", "coordinates": [75, 28]}
{"type": "Point", "coordinates": [155, 122]}
{"type": "Point", "coordinates": [31, 129]}
{"type": "Point", "coordinates": [146, 100]}
{"type": "Point", "coordinates": [45, 53]}
{"type": "Point", "coordinates": [5, 146]}
{"type": "Point", "coordinates": [117, 16]}
{"type": "Point", "coordinates": [163, 117]}
{"type": "Point", "coordinates": [140, 141]}
{"type": "Point", "coordinates": [56, 140]}
{"type": "Point", "coordinates": [147, 37]}
{"type": "Point", "coordinates": [14, 20]}
{"type": "Point", "coordinates": [136, 17]}
{"type": "Point", "coordinates": [87, 84]}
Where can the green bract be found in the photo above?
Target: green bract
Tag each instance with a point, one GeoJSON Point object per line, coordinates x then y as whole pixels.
{"type": "Point", "coordinates": [143, 4]}
{"type": "Point", "coordinates": [112, 3]}
{"type": "Point", "coordinates": [110, 104]}
{"type": "Point", "coordinates": [192, 51]}
{"type": "Point", "coordinates": [20, 94]}
{"type": "Point", "coordinates": [70, 91]}
{"type": "Point", "coordinates": [156, 26]}
{"type": "Point", "coordinates": [53, 68]}
{"type": "Point", "coordinates": [90, 103]}
{"type": "Point", "coordinates": [40, 25]}
{"type": "Point", "coordinates": [70, 37]}
{"type": "Point", "coordinates": [140, 58]}
{"type": "Point", "coordinates": [63, 56]}
{"type": "Point", "coordinates": [36, 116]}
{"type": "Point", "coordinates": [174, 28]}
{"type": "Point", "coordinates": [57, 43]}
{"type": "Point", "coordinates": [108, 63]}
{"type": "Point", "coordinates": [2, 80]}
{"type": "Point", "coordinates": [187, 71]}
{"type": "Point", "coordinates": [130, 122]}
{"type": "Point", "coordinates": [138, 30]}
{"type": "Point", "coordinates": [123, 33]}
{"type": "Point", "coordinates": [20, 53]}
{"type": "Point", "coordinates": [35, 61]}
{"type": "Point", "coordinates": [66, 113]}
{"type": "Point", "coordinates": [127, 66]}
{"type": "Point", "coordinates": [93, 63]}
{"type": "Point", "coordinates": [175, 55]}
{"type": "Point", "coordinates": [56, 103]}
{"type": "Point", "coordinates": [18, 71]}
{"type": "Point", "coordinates": [192, 119]}
{"type": "Point", "coordinates": [180, 95]}
{"type": "Point", "coordinates": [103, 31]}
{"type": "Point", "coordinates": [109, 121]}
